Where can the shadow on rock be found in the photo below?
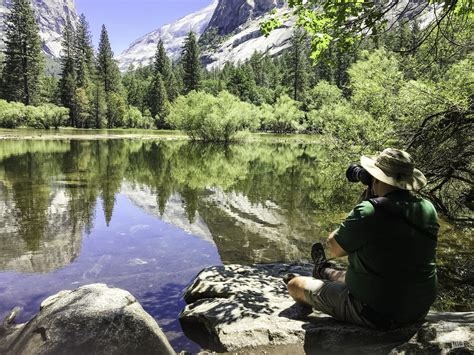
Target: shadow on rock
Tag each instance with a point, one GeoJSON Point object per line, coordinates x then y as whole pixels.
{"type": "Point", "coordinates": [239, 308]}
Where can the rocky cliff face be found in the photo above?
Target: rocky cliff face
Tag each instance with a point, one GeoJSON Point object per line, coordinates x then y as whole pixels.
{"type": "Point", "coordinates": [141, 51]}
{"type": "Point", "coordinates": [230, 14]}
{"type": "Point", "coordinates": [234, 24]}
{"type": "Point", "coordinates": [238, 23]}
{"type": "Point", "coordinates": [50, 16]}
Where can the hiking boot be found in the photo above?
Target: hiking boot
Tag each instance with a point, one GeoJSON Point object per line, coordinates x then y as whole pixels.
{"type": "Point", "coordinates": [319, 260]}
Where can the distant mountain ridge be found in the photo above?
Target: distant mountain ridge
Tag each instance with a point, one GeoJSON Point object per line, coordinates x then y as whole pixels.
{"type": "Point", "coordinates": [236, 23]}
{"type": "Point", "coordinates": [50, 16]}
{"type": "Point", "coordinates": [141, 51]}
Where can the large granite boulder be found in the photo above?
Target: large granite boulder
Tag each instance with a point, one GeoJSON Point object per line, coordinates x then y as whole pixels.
{"type": "Point", "coordinates": [92, 319]}
{"type": "Point", "coordinates": [238, 307]}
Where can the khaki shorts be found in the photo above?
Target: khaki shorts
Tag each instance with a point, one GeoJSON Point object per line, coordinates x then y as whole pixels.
{"type": "Point", "coordinates": [333, 298]}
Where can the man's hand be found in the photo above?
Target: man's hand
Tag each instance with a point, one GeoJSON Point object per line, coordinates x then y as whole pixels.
{"type": "Point", "coordinates": [334, 248]}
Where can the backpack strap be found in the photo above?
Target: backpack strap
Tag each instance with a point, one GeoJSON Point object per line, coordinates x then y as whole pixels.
{"type": "Point", "coordinates": [384, 204]}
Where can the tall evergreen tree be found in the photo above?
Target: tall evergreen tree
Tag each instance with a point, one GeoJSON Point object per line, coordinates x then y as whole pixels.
{"type": "Point", "coordinates": [158, 100]}
{"type": "Point", "coordinates": [99, 106]}
{"type": "Point", "coordinates": [109, 75]}
{"type": "Point", "coordinates": [136, 89]}
{"type": "Point", "coordinates": [257, 62]}
{"type": "Point", "coordinates": [297, 65]}
{"type": "Point", "coordinates": [86, 77]}
{"type": "Point", "coordinates": [107, 69]}
{"type": "Point", "coordinates": [162, 65]}
{"type": "Point", "coordinates": [242, 84]}
{"type": "Point", "coordinates": [84, 53]}
{"type": "Point", "coordinates": [24, 62]}
{"type": "Point", "coordinates": [191, 64]}
{"type": "Point", "coordinates": [67, 84]}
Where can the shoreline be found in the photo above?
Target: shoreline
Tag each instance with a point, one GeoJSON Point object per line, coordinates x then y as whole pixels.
{"type": "Point", "coordinates": [166, 135]}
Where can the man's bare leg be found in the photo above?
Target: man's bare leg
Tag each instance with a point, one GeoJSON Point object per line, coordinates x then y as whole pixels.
{"type": "Point", "coordinates": [333, 274]}
{"type": "Point", "coordinates": [298, 285]}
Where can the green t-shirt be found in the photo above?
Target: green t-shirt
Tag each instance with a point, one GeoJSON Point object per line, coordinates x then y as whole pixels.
{"type": "Point", "coordinates": [391, 264]}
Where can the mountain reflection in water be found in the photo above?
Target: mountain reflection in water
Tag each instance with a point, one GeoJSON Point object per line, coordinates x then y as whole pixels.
{"type": "Point", "coordinates": [147, 216]}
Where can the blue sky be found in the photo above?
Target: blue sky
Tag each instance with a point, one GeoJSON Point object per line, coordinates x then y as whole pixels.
{"type": "Point", "coordinates": [127, 20]}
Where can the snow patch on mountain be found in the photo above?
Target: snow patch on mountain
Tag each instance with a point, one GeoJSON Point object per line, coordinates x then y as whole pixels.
{"type": "Point", "coordinates": [141, 51]}
{"type": "Point", "coordinates": [50, 16]}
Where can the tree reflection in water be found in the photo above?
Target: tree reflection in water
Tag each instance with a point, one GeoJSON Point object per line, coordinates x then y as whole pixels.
{"type": "Point", "coordinates": [254, 202]}
{"type": "Point", "coordinates": [261, 202]}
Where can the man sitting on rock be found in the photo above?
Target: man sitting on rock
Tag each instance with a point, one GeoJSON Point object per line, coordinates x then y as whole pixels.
{"type": "Point", "coordinates": [390, 242]}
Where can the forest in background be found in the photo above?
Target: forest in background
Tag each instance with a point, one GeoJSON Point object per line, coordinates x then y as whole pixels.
{"type": "Point", "coordinates": [396, 88]}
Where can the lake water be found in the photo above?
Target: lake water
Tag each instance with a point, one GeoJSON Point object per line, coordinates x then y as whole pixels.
{"type": "Point", "coordinates": [147, 216]}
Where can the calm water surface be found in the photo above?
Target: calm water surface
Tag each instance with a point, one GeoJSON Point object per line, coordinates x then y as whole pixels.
{"type": "Point", "coordinates": [147, 216]}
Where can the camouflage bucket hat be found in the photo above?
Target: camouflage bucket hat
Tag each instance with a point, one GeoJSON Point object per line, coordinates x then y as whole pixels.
{"type": "Point", "coordinates": [396, 168]}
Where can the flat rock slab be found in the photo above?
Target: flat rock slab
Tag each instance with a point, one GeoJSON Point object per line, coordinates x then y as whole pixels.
{"type": "Point", "coordinates": [93, 319]}
{"type": "Point", "coordinates": [237, 308]}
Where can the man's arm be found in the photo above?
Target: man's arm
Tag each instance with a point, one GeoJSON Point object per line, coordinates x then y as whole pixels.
{"type": "Point", "coordinates": [334, 247]}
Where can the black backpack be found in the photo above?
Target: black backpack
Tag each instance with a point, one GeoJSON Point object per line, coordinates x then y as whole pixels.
{"type": "Point", "coordinates": [384, 205]}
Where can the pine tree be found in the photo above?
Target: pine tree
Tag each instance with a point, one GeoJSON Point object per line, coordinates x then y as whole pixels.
{"type": "Point", "coordinates": [109, 75]}
{"type": "Point", "coordinates": [84, 53]}
{"type": "Point", "coordinates": [256, 61]}
{"type": "Point", "coordinates": [24, 62]}
{"type": "Point", "coordinates": [191, 64]}
{"type": "Point", "coordinates": [297, 65]}
{"type": "Point", "coordinates": [136, 88]}
{"type": "Point", "coordinates": [158, 100]}
{"type": "Point", "coordinates": [162, 65]}
{"type": "Point", "coordinates": [107, 69]}
{"type": "Point", "coordinates": [242, 84]}
{"type": "Point", "coordinates": [99, 105]}
{"type": "Point", "coordinates": [67, 84]}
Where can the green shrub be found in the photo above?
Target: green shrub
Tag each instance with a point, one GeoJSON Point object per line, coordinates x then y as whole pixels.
{"type": "Point", "coordinates": [349, 126]}
{"type": "Point", "coordinates": [116, 110]}
{"type": "Point", "coordinates": [283, 117]}
{"type": "Point", "coordinates": [12, 114]}
{"type": "Point", "coordinates": [15, 114]}
{"type": "Point", "coordinates": [322, 94]}
{"type": "Point", "coordinates": [34, 117]}
{"type": "Point", "coordinates": [135, 119]}
{"type": "Point", "coordinates": [212, 118]}
{"type": "Point", "coordinates": [59, 116]}
{"type": "Point", "coordinates": [375, 81]}
{"type": "Point", "coordinates": [46, 116]}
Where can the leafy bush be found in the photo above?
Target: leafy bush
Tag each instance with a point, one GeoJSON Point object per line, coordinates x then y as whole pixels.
{"type": "Point", "coordinates": [59, 116]}
{"type": "Point", "coordinates": [15, 114]}
{"type": "Point", "coordinates": [212, 118]}
{"type": "Point", "coordinates": [116, 110]}
{"type": "Point", "coordinates": [283, 117]}
{"type": "Point", "coordinates": [375, 81]}
{"type": "Point", "coordinates": [46, 116]}
{"type": "Point", "coordinates": [322, 94]}
{"type": "Point", "coordinates": [12, 114]}
{"type": "Point", "coordinates": [135, 119]}
{"type": "Point", "coordinates": [437, 128]}
{"type": "Point", "coordinates": [349, 126]}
